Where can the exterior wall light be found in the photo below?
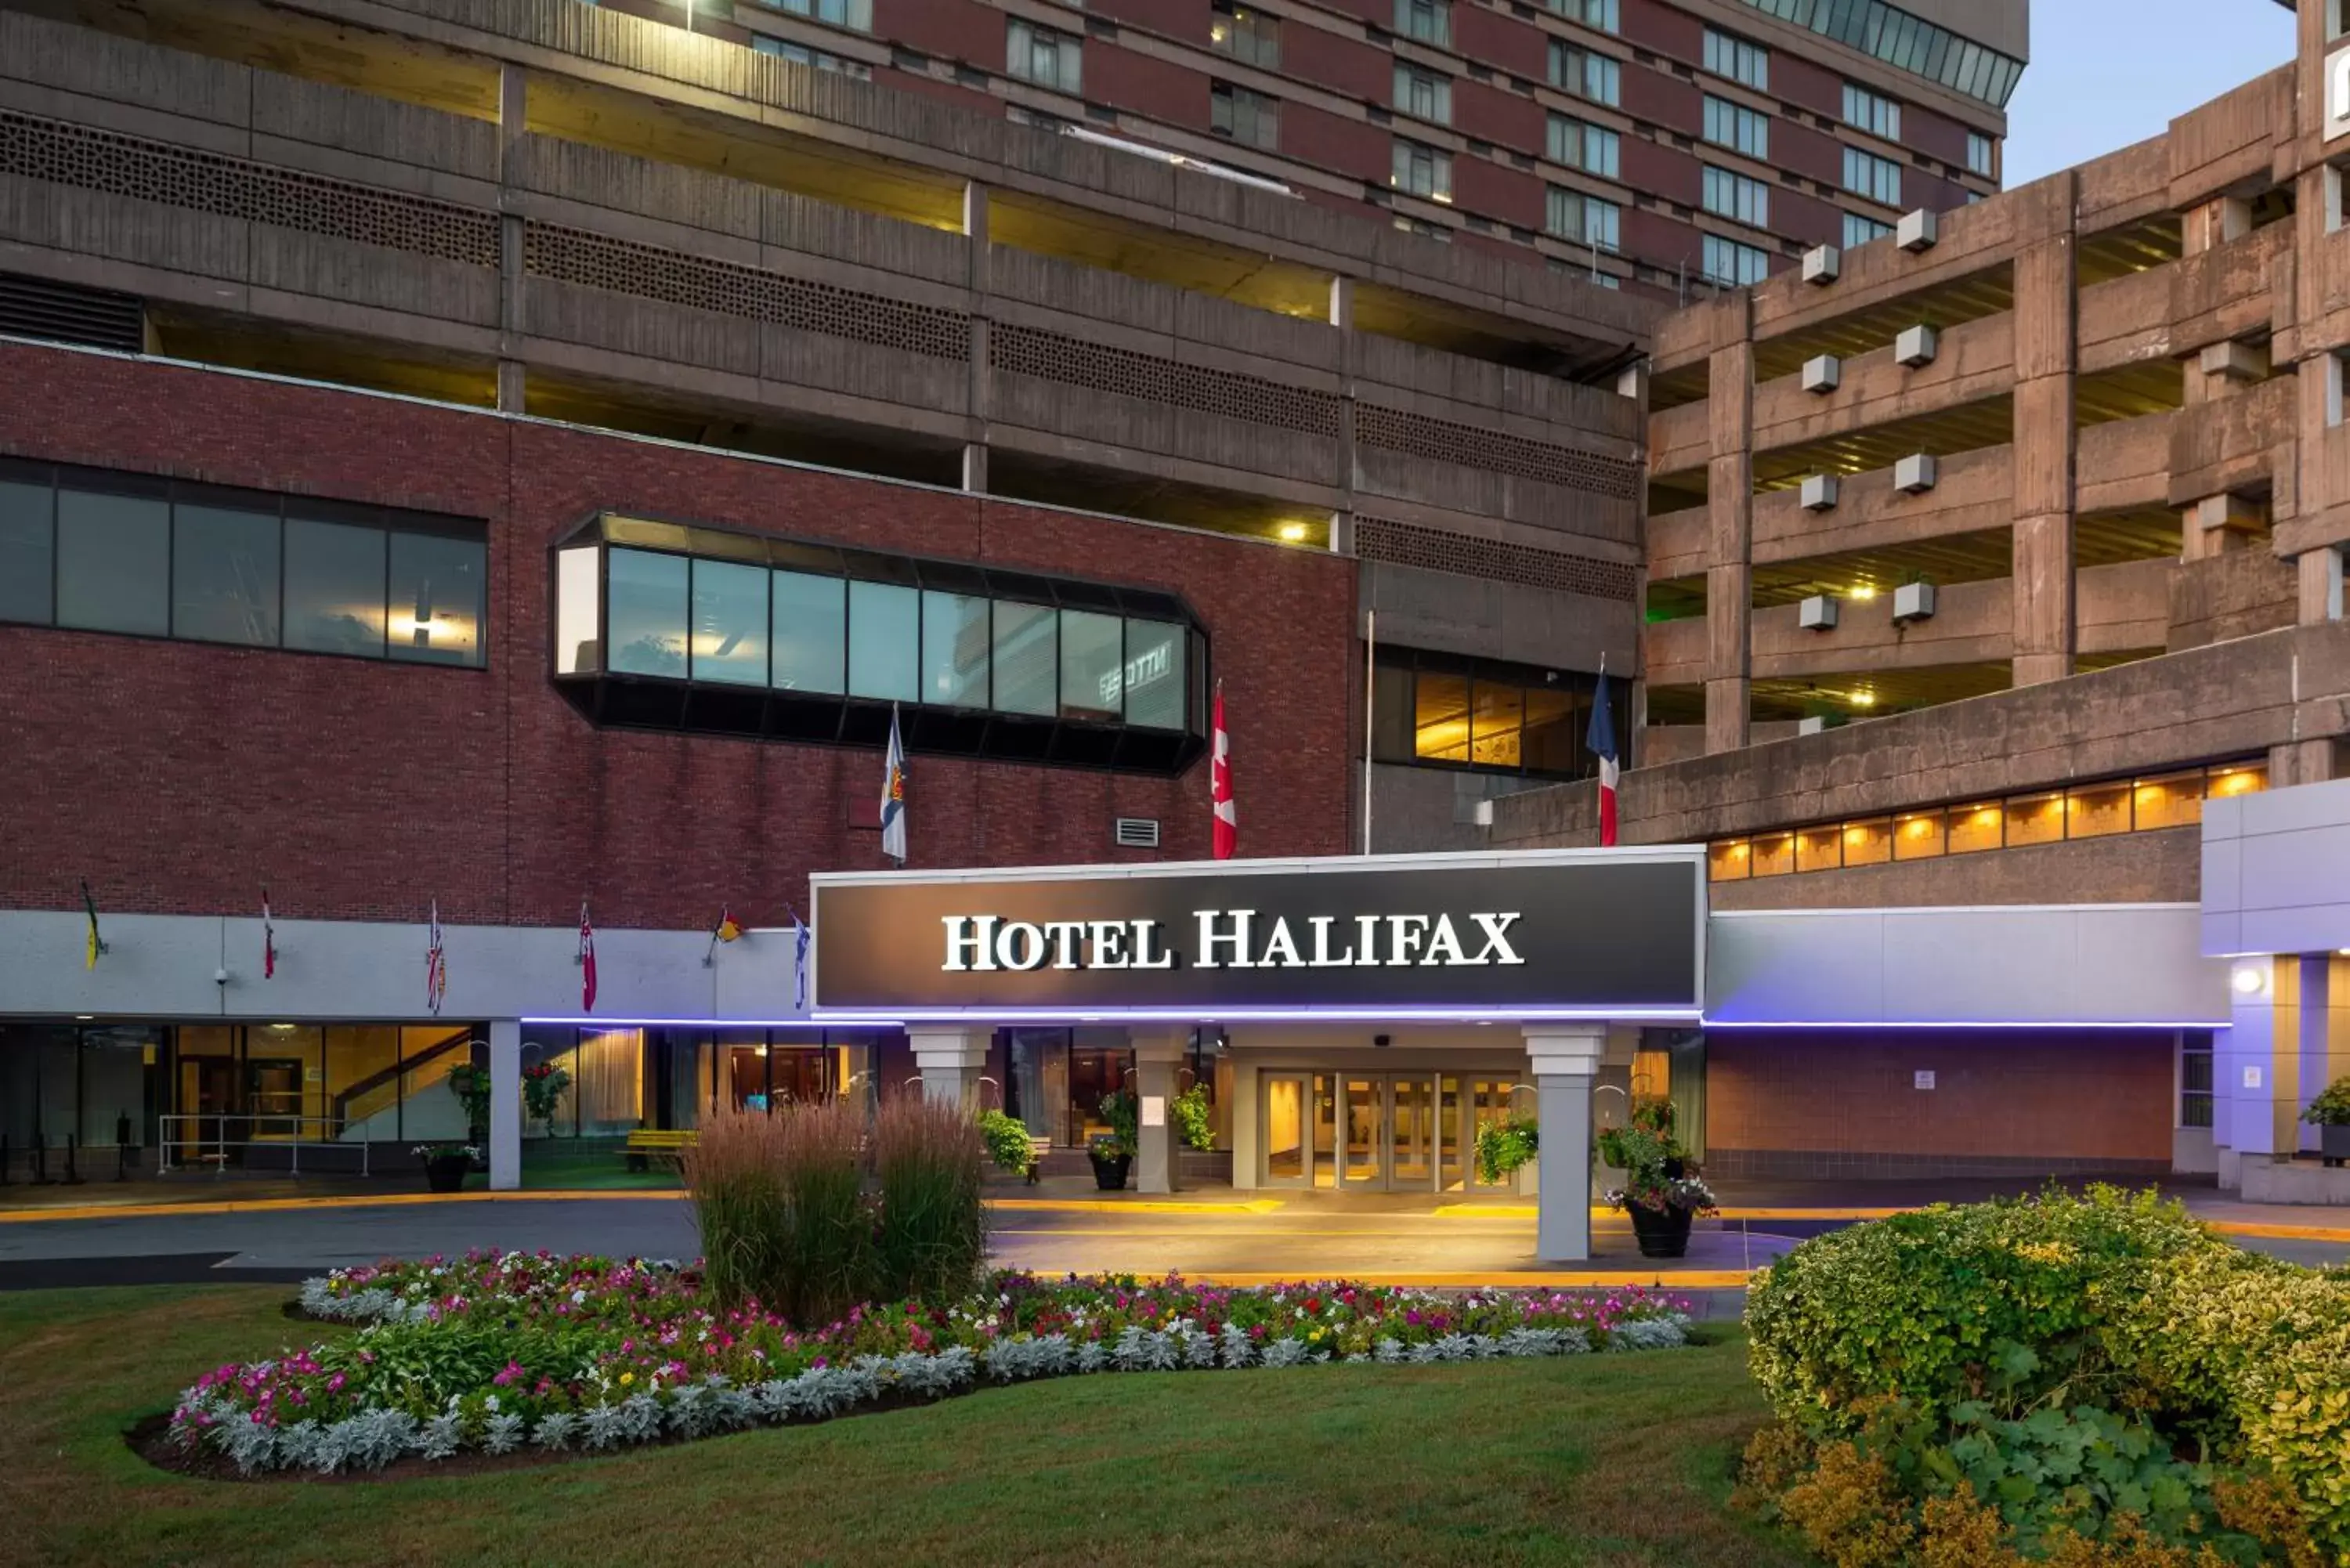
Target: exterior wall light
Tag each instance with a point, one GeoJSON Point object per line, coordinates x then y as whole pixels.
{"type": "Point", "coordinates": [1915, 472]}
{"type": "Point", "coordinates": [1916, 346]}
{"type": "Point", "coordinates": [1819, 492]}
{"type": "Point", "coordinates": [1817, 613]}
{"type": "Point", "coordinates": [1823, 374]}
{"type": "Point", "coordinates": [1913, 601]}
{"type": "Point", "coordinates": [2249, 981]}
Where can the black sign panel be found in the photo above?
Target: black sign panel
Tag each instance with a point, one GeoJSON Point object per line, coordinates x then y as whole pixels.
{"type": "Point", "coordinates": [1590, 935]}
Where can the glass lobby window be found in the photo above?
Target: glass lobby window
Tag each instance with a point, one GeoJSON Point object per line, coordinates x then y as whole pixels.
{"type": "Point", "coordinates": [2035, 819]}
{"type": "Point", "coordinates": [1154, 674]}
{"type": "Point", "coordinates": [1092, 658]}
{"type": "Point", "coordinates": [1819, 849]}
{"type": "Point", "coordinates": [1975, 828]}
{"type": "Point", "coordinates": [647, 610]}
{"type": "Point", "coordinates": [955, 639]}
{"type": "Point", "coordinates": [27, 550]}
{"type": "Point", "coordinates": [225, 575]}
{"type": "Point", "coordinates": [811, 632]}
{"type": "Point", "coordinates": [2176, 801]}
{"type": "Point", "coordinates": [729, 641]}
{"type": "Point", "coordinates": [2095, 812]}
{"type": "Point", "coordinates": [1495, 724]}
{"type": "Point", "coordinates": [1868, 842]}
{"type": "Point", "coordinates": [114, 562]}
{"type": "Point", "coordinates": [1918, 835]}
{"type": "Point", "coordinates": [1550, 735]}
{"type": "Point", "coordinates": [437, 599]}
{"type": "Point", "coordinates": [334, 587]}
{"type": "Point", "coordinates": [577, 645]}
{"type": "Point", "coordinates": [2195, 1079]}
{"type": "Point", "coordinates": [884, 642]}
{"type": "Point", "coordinates": [1441, 717]}
{"type": "Point", "coordinates": [1774, 855]}
{"type": "Point", "coordinates": [1023, 659]}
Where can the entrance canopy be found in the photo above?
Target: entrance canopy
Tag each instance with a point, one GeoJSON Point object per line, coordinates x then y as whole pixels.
{"type": "Point", "coordinates": [1555, 934]}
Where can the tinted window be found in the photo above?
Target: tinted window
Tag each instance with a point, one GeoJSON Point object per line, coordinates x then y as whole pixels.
{"type": "Point", "coordinates": [1023, 659]}
{"type": "Point", "coordinates": [884, 642]}
{"type": "Point", "coordinates": [225, 575]}
{"type": "Point", "coordinates": [28, 550]}
{"type": "Point", "coordinates": [647, 594]}
{"type": "Point", "coordinates": [1091, 653]}
{"type": "Point", "coordinates": [811, 631]}
{"type": "Point", "coordinates": [114, 563]}
{"type": "Point", "coordinates": [730, 622]}
{"type": "Point", "coordinates": [1154, 674]}
{"type": "Point", "coordinates": [955, 650]}
{"type": "Point", "coordinates": [334, 587]}
{"type": "Point", "coordinates": [437, 599]}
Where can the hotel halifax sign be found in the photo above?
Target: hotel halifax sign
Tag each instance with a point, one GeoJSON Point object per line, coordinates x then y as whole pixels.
{"type": "Point", "coordinates": [1546, 934]}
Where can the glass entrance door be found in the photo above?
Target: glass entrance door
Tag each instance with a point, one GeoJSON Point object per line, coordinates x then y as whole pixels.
{"type": "Point", "coordinates": [1361, 1132]}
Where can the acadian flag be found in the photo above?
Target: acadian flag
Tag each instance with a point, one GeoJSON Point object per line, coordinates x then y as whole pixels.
{"type": "Point", "coordinates": [268, 940]}
{"type": "Point", "coordinates": [436, 963]}
{"type": "Point", "coordinates": [1227, 828]}
{"type": "Point", "coordinates": [94, 947]}
{"type": "Point", "coordinates": [893, 794]}
{"type": "Point", "coordinates": [587, 963]}
{"type": "Point", "coordinates": [1601, 739]}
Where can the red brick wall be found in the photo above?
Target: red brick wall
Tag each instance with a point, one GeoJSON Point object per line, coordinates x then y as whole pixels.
{"type": "Point", "coordinates": [1666, 29]}
{"type": "Point", "coordinates": [2056, 1094]}
{"type": "Point", "coordinates": [1668, 171]}
{"type": "Point", "coordinates": [1157, 89]}
{"type": "Point", "coordinates": [1348, 64]}
{"type": "Point", "coordinates": [1798, 80]}
{"type": "Point", "coordinates": [1344, 146]}
{"type": "Point", "coordinates": [1661, 100]}
{"type": "Point", "coordinates": [951, 29]}
{"type": "Point", "coordinates": [1507, 119]}
{"type": "Point", "coordinates": [1811, 153]}
{"type": "Point", "coordinates": [1488, 36]}
{"type": "Point", "coordinates": [1930, 133]}
{"type": "Point", "coordinates": [178, 777]}
{"type": "Point", "coordinates": [1489, 189]}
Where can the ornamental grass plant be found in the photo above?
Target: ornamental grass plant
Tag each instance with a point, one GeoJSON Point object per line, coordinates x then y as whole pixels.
{"type": "Point", "coordinates": [929, 1159]}
{"type": "Point", "coordinates": [779, 1200]}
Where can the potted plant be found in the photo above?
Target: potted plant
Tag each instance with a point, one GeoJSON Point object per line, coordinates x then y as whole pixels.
{"type": "Point", "coordinates": [471, 1085]}
{"type": "Point", "coordinates": [1008, 1144]}
{"type": "Point", "coordinates": [542, 1083]}
{"type": "Point", "coordinates": [1503, 1146]}
{"type": "Point", "coordinates": [2330, 1114]}
{"type": "Point", "coordinates": [445, 1164]}
{"type": "Point", "coordinates": [1662, 1191]}
{"type": "Point", "coordinates": [1194, 1119]}
{"type": "Point", "coordinates": [1112, 1152]}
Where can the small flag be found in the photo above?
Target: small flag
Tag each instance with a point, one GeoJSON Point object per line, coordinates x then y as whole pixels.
{"type": "Point", "coordinates": [587, 963]}
{"type": "Point", "coordinates": [726, 930]}
{"type": "Point", "coordinates": [799, 964]}
{"type": "Point", "coordinates": [268, 940]}
{"type": "Point", "coordinates": [1601, 739]}
{"type": "Point", "coordinates": [1220, 786]}
{"type": "Point", "coordinates": [436, 963]}
{"type": "Point", "coordinates": [94, 946]}
{"type": "Point", "coordinates": [893, 794]}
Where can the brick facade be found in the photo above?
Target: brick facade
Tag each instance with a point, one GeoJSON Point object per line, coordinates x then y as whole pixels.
{"type": "Point", "coordinates": [178, 777]}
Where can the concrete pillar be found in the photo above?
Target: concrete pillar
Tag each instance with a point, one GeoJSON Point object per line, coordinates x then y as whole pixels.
{"type": "Point", "coordinates": [977, 276]}
{"type": "Point", "coordinates": [1730, 527]}
{"type": "Point", "coordinates": [1565, 1059]}
{"type": "Point", "coordinates": [949, 1061]}
{"type": "Point", "coordinates": [1342, 304]}
{"type": "Point", "coordinates": [2214, 524]}
{"type": "Point", "coordinates": [1157, 1056]}
{"type": "Point", "coordinates": [1247, 1129]}
{"type": "Point", "coordinates": [2256, 1066]}
{"type": "Point", "coordinates": [505, 1105]}
{"type": "Point", "coordinates": [2042, 442]}
{"type": "Point", "coordinates": [2320, 574]}
{"type": "Point", "coordinates": [513, 101]}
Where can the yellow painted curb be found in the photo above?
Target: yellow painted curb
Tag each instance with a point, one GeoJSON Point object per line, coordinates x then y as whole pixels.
{"type": "Point", "coordinates": [1136, 1205]}
{"type": "Point", "coordinates": [2279, 1233]}
{"type": "Point", "coordinates": [266, 1204]}
{"type": "Point", "coordinates": [1569, 1279]}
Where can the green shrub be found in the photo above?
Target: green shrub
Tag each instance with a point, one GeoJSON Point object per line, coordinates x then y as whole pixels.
{"type": "Point", "coordinates": [1193, 1119]}
{"type": "Point", "coordinates": [1503, 1146]}
{"type": "Point", "coordinates": [1007, 1141]}
{"type": "Point", "coordinates": [932, 1236]}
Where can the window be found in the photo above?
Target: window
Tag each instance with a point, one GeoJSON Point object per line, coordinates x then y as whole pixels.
{"type": "Point", "coordinates": [1980, 157]}
{"type": "Point", "coordinates": [801, 55]}
{"type": "Point", "coordinates": [1585, 74]}
{"type": "Point", "coordinates": [1607, 15]}
{"type": "Point", "coordinates": [1728, 55]}
{"type": "Point", "coordinates": [1585, 219]}
{"type": "Point", "coordinates": [1728, 262]}
{"type": "Point", "coordinates": [853, 13]}
{"type": "Point", "coordinates": [1878, 115]}
{"type": "Point", "coordinates": [1040, 55]}
{"type": "Point", "coordinates": [2195, 1078]}
{"type": "Point", "coordinates": [1593, 148]}
{"type": "Point", "coordinates": [1444, 710]}
{"type": "Point", "coordinates": [116, 552]}
{"type": "Point", "coordinates": [1860, 230]}
{"type": "Point", "coordinates": [1424, 229]}
{"type": "Point", "coordinates": [1423, 95]}
{"type": "Point", "coordinates": [1246, 34]}
{"type": "Point", "coordinates": [1735, 125]}
{"type": "Point", "coordinates": [1901, 39]}
{"type": "Point", "coordinates": [1251, 117]}
{"type": "Point", "coordinates": [810, 642]}
{"type": "Point", "coordinates": [1430, 21]}
{"type": "Point", "coordinates": [1423, 170]}
{"type": "Point", "coordinates": [1730, 195]}
{"type": "Point", "coordinates": [1879, 179]}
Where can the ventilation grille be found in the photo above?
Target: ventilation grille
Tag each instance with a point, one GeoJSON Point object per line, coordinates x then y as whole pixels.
{"type": "Point", "coordinates": [1136, 833]}
{"type": "Point", "coordinates": [1474, 446]}
{"type": "Point", "coordinates": [1409, 545]}
{"type": "Point", "coordinates": [233, 188]}
{"type": "Point", "coordinates": [1074, 362]}
{"type": "Point", "coordinates": [69, 312]}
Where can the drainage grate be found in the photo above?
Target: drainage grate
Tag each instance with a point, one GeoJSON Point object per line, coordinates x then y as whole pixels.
{"type": "Point", "coordinates": [69, 312]}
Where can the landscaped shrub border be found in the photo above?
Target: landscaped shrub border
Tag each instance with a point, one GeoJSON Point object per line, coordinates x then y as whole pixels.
{"type": "Point", "coordinates": [497, 1354]}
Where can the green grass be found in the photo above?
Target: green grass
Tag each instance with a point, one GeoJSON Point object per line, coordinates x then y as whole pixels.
{"type": "Point", "coordinates": [1601, 1459]}
{"type": "Point", "coordinates": [587, 1165]}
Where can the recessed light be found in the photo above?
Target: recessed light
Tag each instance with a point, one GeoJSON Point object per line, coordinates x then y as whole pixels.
{"type": "Point", "coordinates": [1293, 533]}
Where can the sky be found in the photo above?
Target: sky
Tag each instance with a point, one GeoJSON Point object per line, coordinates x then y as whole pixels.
{"type": "Point", "coordinates": [2106, 73]}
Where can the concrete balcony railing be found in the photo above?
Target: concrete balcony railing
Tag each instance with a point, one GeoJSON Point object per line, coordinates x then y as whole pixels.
{"type": "Point", "coordinates": [1974, 491]}
{"type": "Point", "coordinates": [1976, 359]}
{"type": "Point", "coordinates": [1681, 438]}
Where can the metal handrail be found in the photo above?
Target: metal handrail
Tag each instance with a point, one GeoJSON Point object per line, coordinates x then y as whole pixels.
{"type": "Point", "coordinates": [257, 1137]}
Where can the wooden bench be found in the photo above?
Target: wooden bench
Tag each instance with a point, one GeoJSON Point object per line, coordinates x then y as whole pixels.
{"type": "Point", "coordinates": [648, 1144]}
{"type": "Point", "coordinates": [1038, 1148]}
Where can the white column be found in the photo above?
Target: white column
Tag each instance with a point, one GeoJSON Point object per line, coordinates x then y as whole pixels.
{"type": "Point", "coordinates": [950, 1061]}
{"type": "Point", "coordinates": [2255, 1065]}
{"type": "Point", "coordinates": [1157, 1161]}
{"type": "Point", "coordinates": [1245, 1130]}
{"type": "Point", "coordinates": [505, 1105]}
{"type": "Point", "coordinates": [1565, 1059]}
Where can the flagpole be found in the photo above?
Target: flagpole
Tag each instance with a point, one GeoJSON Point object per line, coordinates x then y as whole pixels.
{"type": "Point", "coordinates": [1370, 683]}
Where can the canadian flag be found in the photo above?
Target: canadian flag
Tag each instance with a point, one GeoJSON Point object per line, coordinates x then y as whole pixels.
{"type": "Point", "coordinates": [1601, 739]}
{"type": "Point", "coordinates": [1220, 786]}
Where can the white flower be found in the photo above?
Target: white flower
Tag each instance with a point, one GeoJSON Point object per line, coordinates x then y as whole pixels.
{"type": "Point", "coordinates": [491, 1403]}
{"type": "Point", "coordinates": [579, 1296]}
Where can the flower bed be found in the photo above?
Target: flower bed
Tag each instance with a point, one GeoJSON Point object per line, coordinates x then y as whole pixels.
{"type": "Point", "coordinates": [497, 1354]}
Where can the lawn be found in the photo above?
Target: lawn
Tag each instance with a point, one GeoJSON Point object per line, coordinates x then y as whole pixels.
{"type": "Point", "coordinates": [1585, 1459]}
{"type": "Point", "coordinates": [593, 1164]}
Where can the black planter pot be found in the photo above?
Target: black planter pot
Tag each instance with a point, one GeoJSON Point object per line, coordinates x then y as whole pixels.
{"type": "Point", "coordinates": [1664, 1235]}
{"type": "Point", "coordinates": [1110, 1170]}
{"type": "Point", "coordinates": [448, 1173]}
{"type": "Point", "coordinates": [2334, 1143]}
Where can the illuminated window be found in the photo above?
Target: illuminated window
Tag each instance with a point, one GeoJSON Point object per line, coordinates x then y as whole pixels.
{"type": "Point", "coordinates": [1422, 170]}
{"type": "Point", "coordinates": [2095, 811]}
{"type": "Point", "coordinates": [1434, 709]}
{"type": "Point", "coordinates": [1440, 718]}
{"type": "Point", "coordinates": [1918, 835]}
{"type": "Point", "coordinates": [2244, 778]}
{"type": "Point", "coordinates": [1819, 849]}
{"type": "Point", "coordinates": [1732, 862]}
{"type": "Point", "coordinates": [1246, 34]}
{"type": "Point", "coordinates": [2175, 801]}
{"type": "Point", "coordinates": [1868, 842]}
{"type": "Point", "coordinates": [2035, 819]}
{"type": "Point", "coordinates": [1975, 828]}
{"type": "Point", "coordinates": [1774, 855]}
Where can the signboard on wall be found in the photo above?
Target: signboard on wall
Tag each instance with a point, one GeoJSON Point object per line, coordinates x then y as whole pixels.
{"type": "Point", "coordinates": [1555, 934]}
